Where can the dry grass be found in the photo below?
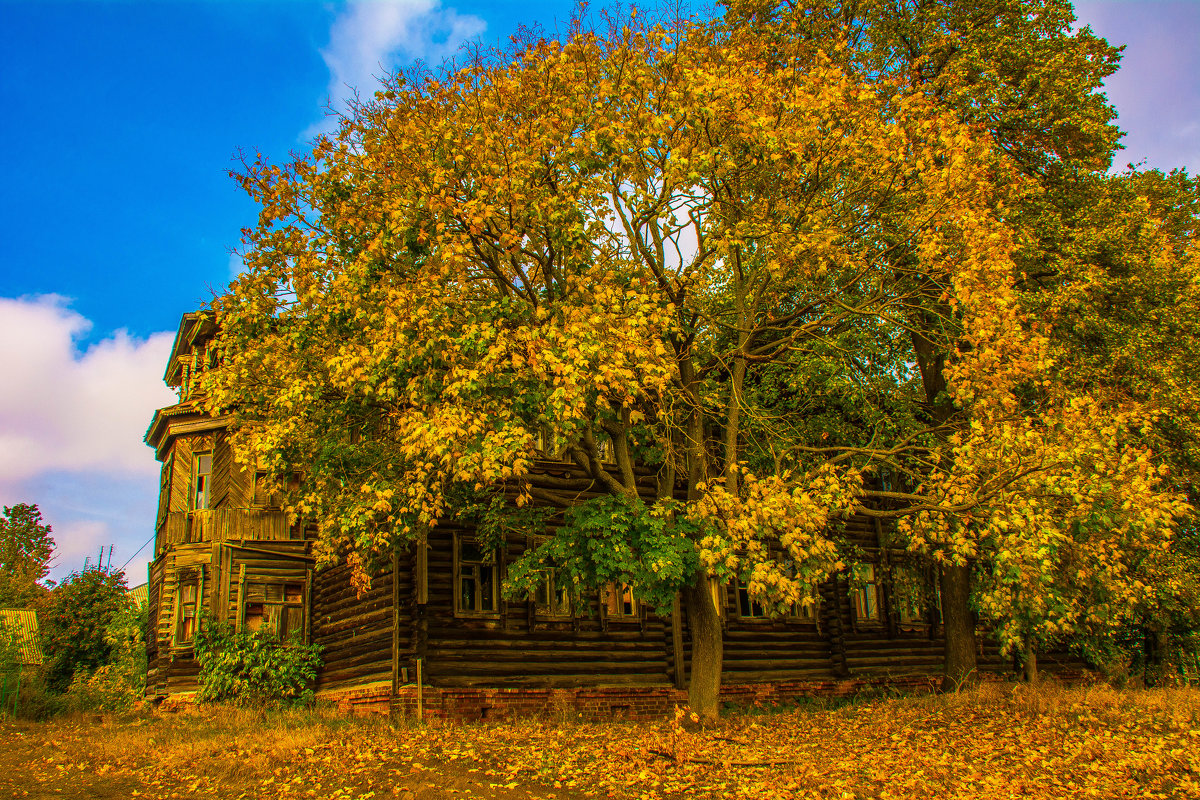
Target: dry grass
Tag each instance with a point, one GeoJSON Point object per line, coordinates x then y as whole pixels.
{"type": "Point", "coordinates": [996, 741]}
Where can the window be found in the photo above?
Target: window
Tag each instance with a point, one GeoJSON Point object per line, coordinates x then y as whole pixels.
{"type": "Point", "coordinates": [907, 595]}
{"type": "Point", "coordinates": [748, 607]}
{"type": "Point", "coordinates": [550, 599]}
{"type": "Point", "coordinates": [185, 629]}
{"type": "Point", "coordinates": [164, 487]}
{"type": "Point", "coordinates": [276, 607]}
{"type": "Point", "coordinates": [263, 497]}
{"type": "Point", "coordinates": [200, 480]}
{"type": "Point", "coordinates": [865, 592]}
{"type": "Point", "coordinates": [619, 601]}
{"type": "Point", "coordinates": [807, 611]}
{"type": "Point", "coordinates": [476, 578]}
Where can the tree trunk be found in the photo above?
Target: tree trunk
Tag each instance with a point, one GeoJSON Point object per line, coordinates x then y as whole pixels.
{"type": "Point", "coordinates": [1029, 666]}
{"type": "Point", "coordinates": [1151, 653]}
{"type": "Point", "coordinates": [704, 624]}
{"type": "Point", "coordinates": [959, 624]}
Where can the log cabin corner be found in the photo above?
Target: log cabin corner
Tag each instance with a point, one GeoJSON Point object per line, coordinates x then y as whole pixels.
{"type": "Point", "coordinates": [434, 636]}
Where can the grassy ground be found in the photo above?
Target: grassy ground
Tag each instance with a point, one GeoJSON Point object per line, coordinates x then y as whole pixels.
{"type": "Point", "coordinates": [998, 741]}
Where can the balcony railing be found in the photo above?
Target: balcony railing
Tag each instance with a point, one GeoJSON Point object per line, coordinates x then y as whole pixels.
{"type": "Point", "coordinates": [222, 525]}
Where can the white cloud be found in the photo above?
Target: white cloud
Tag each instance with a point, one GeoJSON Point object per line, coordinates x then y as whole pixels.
{"type": "Point", "coordinates": [371, 39]}
{"type": "Point", "coordinates": [71, 411]}
{"type": "Point", "coordinates": [77, 541]}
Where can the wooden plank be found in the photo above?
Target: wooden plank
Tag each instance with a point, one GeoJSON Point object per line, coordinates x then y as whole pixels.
{"type": "Point", "coordinates": [678, 663]}
{"type": "Point", "coordinates": [181, 475]}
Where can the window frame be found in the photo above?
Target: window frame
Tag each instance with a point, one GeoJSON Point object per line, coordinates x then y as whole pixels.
{"type": "Point", "coordinates": [811, 614]}
{"type": "Point", "coordinates": [619, 590]}
{"type": "Point", "coordinates": [477, 566]}
{"type": "Point", "coordinates": [183, 635]}
{"type": "Point", "coordinates": [757, 612]}
{"type": "Point", "coordinates": [201, 483]}
{"type": "Point", "coordinates": [864, 593]}
{"type": "Point", "coordinates": [558, 603]}
{"type": "Point", "coordinates": [282, 605]}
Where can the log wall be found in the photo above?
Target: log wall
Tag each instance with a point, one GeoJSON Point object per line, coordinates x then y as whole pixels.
{"type": "Point", "coordinates": [517, 647]}
{"type": "Point", "coordinates": [376, 638]}
{"type": "Point", "coordinates": [357, 634]}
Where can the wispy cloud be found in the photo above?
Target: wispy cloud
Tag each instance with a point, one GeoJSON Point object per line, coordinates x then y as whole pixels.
{"type": "Point", "coordinates": [370, 39]}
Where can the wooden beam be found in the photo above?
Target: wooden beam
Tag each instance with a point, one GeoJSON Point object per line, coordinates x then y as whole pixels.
{"type": "Point", "coordinates": [680, 669]}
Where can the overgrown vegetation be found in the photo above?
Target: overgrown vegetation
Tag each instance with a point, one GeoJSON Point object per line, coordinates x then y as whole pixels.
{"type": "Point", "coordinates": [996, 741]}
{"type": "Point", "coordinates": [91, 632]}
{"type": "Point", "coordinates": [254, 667]}
{"type": "Point", "coordinates": [75, 620]}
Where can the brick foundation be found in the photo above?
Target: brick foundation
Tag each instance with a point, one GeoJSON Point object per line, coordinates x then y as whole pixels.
{"type": "Point", "coordinates": [590, 703]}
{"type": "Point", "coordinates": [622, 702]}
{"type": "Point", "coordinates": [372, 698]}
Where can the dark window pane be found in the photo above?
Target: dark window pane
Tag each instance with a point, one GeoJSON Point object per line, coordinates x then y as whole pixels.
{"type": "Point", "coordinates": [487, 576]}
{"type": "Point", "coordinates": [466, 601]}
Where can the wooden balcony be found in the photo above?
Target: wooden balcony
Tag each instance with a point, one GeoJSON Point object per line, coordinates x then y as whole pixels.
{"type": "Point", "coordinates": [223, 525]}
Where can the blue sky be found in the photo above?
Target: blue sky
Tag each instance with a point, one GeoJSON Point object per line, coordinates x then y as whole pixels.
{"type": "Point", "coordinates": [122, 119]}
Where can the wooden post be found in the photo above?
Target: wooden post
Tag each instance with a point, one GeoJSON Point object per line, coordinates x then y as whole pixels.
{"type": "Point", "coordinates": [420, 690]}
{"type": "Point", "coordinates": [395, 622]}
{"type": "Point", "coordinates": [240, 618]}
{"type": "Point", "coordinates": [199, 596]}
{"type": "Point", "coordinates": [308, 589]}
{"type": "Point", "coordinates": [677, 643]}
{"type": "Point", "coordinates": [421, 578]}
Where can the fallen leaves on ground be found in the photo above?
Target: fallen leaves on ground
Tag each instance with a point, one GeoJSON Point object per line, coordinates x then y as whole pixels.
{"type": "Point", "coordinates": [994, 742]}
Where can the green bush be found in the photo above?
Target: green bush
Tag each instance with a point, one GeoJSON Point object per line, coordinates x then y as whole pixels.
{"type": "Point", "coordinates": [117, 685]}
{"type": "Point", "coordinates": [75, 620]}
{"type": "Point", "coordinates": [253, 667]}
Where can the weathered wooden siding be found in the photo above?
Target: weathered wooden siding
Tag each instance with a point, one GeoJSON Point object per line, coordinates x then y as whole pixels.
{"type": "Point", "coordinates": [181, 475]}
{"type": "Point", "coordinates": [771, 649]}
{"type": "Point", "coordinates": [222, 472]}
{"type": "Point", "coordinates": [225, 524]}
{"type": "Point", "coordinates": [515, 647]}
{"type": "Point", "coordinates": [153, 645]}
{"type": "Point", "coordinates": [356, 633]}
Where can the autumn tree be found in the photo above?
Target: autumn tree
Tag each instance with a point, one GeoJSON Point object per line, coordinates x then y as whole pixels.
{"type": "Point", "coordinates": [25, 552]}
{"type": "Point", "coordinates": [707, 223]}
{"type": "Point", "coordinates": [75, 620]}
{"type": "Point", "coordinates": [1124, 310]}
{"type": "Point", "coordinates": [1027, 81]}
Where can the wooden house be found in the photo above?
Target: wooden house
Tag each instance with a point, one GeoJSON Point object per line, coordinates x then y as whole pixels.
{"type": "Point", "coordinates": [434, 630]}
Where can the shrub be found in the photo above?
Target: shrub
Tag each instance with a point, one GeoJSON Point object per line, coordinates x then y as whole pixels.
{"type": "Point", "coordinates": [250, 667]}
{"type": "Point", "coordinates": [117, 685]}
{"type": "Point", "coordinates": [75, 619]}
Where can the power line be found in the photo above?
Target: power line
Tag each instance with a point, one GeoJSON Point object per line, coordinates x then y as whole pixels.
{"type": "Point", "coordinates": [132, 557]}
